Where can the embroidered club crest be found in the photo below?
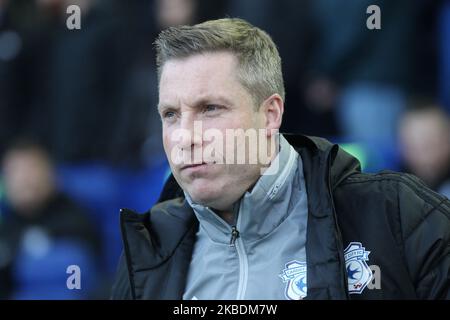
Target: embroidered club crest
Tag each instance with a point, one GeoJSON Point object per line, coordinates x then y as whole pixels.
{"type": "Point", "coordinates": [359, 274]}
{"type": "Point", "coordinates": [294, 275]}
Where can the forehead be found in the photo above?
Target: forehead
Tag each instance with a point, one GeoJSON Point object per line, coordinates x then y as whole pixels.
{"type": "Point", "coordinates": [198, 75]}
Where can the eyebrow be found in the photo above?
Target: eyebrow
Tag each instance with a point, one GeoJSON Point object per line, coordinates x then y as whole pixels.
{"type": "Point", "coordinates": [161, 107]}
{"type": "Point", "coordinates": [199, 102]}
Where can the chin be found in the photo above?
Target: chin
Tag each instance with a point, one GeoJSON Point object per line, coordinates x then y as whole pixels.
{"type": "Point", "coordinates": [203, 198]}
{"type": "Point", "coordinates": [205, 195]}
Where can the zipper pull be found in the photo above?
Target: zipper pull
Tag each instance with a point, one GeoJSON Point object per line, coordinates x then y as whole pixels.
{"type": "Point", "coordinates": [234, 235]}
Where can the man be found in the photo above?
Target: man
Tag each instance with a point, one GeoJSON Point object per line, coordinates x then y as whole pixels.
{"type": "Point", "coordinates": [424, 135]}
{"type": "Point", "coordinates": [305, 224]}
{"type": "Point", "coordinates": [42, 231]}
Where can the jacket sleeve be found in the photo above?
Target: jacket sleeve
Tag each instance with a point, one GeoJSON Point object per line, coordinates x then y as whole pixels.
{"type": "Point", "coordinates": [121, 289]}
{"type": "Point", "coordinates": [425, 223]}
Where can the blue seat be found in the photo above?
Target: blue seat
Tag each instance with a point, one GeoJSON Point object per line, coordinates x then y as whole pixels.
{"type": "Point", "coordinates": [40, 273]}
{"type": "Point", "coordinates": [105, 189]}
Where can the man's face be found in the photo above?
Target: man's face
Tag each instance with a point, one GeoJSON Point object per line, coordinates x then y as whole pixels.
{"type": "Point", "coordinates": [203, 89]}
{"type": "Point", "coordinates": [29, 180]}
{"type": "Point", "coordinates": [426, 145]}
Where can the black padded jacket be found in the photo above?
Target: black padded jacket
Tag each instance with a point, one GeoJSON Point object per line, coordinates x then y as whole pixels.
{"type": "Point", "coordinates": [404, 225]}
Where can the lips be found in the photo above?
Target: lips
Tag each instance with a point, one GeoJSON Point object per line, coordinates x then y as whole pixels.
{"type": "Point", "coordinates": [193, 165]}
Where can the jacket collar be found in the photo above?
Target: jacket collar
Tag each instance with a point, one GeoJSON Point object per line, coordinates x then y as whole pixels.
{"type": "Point", "coordinates": [157, 233]}
{"type": "Point", "coordinates": [261, 209]}
{"type": "Point", "coordinates": [324, 249]}
{"type": "Point", "coordinates": [151, 241]}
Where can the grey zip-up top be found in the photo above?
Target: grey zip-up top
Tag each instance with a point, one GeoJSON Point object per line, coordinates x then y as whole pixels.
{"type": "Point", "coordinates": [263, 255]}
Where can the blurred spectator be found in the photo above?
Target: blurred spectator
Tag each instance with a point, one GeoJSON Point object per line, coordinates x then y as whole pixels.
{"type": "Point", "coordinates": [175, 12]}
{"type": "Point", "coordinates": [82, 77]}
{"type": "Point", "coordinates": [363, 73]}
{"type": "Point", "coordinates": [289, 23]}
{"type": "Point", "coordinates": [78, 87]}
{"type": "Point", "coordinates": [43, 232]}
{"type": "Point", "coordinates": [14, 21]}
{"type": "Point", "coordinates": [425, 145]}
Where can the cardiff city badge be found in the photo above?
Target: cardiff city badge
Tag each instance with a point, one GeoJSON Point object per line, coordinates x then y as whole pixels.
{"type": "Point", "coordinates": [294, 275]}
{"type": "Point", "coordinates": [359, 274]}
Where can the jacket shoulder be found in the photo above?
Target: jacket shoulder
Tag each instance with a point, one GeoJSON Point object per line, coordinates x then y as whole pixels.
{"type": "Point", "coordinates": [417, 217]}
{"type": "Point", "coordinates": [415, 200]}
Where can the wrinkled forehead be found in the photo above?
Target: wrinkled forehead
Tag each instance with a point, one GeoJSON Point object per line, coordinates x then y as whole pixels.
{"type": "Point", "coordinates": [203, 74]}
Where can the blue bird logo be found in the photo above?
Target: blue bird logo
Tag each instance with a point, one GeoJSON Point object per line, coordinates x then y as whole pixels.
{"type": "Point", "coordinates": [301, 284]}
{"type": "Point", "coordinates": [351, 273]}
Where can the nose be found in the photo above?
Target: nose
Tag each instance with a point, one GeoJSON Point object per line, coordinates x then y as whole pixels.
{"type": "Point", "coordinates": [190, 133]}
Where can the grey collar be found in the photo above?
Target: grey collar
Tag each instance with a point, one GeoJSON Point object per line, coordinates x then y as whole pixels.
{"type": "Point", "coordinates": [262, 209]}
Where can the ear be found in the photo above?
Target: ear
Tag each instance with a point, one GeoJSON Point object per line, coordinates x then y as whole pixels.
{"type": "Point", "coordinates": [273, 108]}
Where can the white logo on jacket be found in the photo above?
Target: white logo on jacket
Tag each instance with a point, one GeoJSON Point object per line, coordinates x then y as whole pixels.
{"type": "Point", "coordinates": [294, 275]}
{"type": "Point", "coordinates": [359, 274]}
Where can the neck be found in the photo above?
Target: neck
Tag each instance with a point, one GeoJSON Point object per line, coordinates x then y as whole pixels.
{"type": "Point", "coordinates": [227, 215]}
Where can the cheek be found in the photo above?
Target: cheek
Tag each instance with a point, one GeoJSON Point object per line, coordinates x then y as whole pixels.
{"type": "Point", "coordinates": [167, 142]}
{"type": "Point", "coordinates": [243, 121]}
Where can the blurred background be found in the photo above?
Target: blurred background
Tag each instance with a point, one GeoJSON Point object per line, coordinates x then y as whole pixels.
{"type": "Point", "coordinates": [80, 136]}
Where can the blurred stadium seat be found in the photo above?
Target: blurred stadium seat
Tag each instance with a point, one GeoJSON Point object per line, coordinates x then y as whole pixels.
{"type": "Point", "coordinates": [105, 189]}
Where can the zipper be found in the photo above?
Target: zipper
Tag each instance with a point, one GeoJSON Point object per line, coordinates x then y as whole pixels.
{"type": "Point", "coordinates": [234, 235]}
{"type": "Point", "coordinates": [237, 243]}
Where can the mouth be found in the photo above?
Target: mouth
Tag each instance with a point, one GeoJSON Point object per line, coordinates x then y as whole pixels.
{"type": "Point", "coordinates": [193, 166]}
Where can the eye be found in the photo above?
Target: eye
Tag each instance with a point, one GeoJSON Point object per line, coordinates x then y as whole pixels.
{"type": "Point", "coordinates": [211, 108]}
{"type": "Point", "coordinates": [168, 114]}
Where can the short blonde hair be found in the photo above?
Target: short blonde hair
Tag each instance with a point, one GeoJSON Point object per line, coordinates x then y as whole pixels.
{"type": "Point", "coordinates": [259, 63]}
